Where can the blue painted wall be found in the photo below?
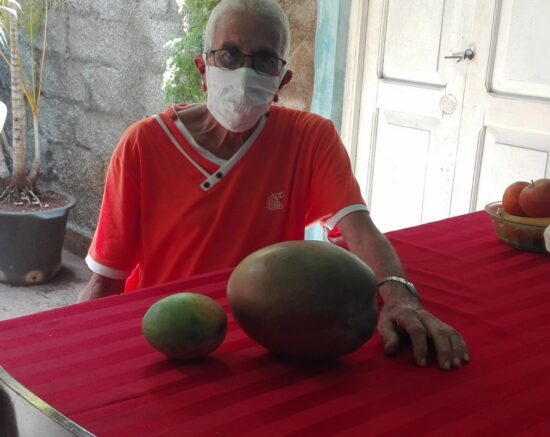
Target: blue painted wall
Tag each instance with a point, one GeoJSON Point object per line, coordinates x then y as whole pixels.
{"type": "Point", "coordinates": [330, 58]}
{"type": "Point", "coordinates": [330, 68]}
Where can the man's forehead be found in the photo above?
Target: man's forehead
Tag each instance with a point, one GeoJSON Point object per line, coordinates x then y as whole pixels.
{"type": "Point", "coordinates": [246, 30]}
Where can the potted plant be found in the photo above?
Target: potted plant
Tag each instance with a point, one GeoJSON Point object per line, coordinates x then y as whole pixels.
{"type": "Point", "coordinates": [32, 221]}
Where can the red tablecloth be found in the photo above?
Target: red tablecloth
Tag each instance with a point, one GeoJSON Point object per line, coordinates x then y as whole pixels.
{"type": "Point", "coordinates": [91, 362]}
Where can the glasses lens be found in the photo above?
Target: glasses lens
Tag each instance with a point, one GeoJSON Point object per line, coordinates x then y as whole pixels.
{"type": "Point", "coordinates": [228, 59]}
{"type": "Point", "coordinates": [232, 59]}
{"type": "Point", "coordinates": [268, 65]}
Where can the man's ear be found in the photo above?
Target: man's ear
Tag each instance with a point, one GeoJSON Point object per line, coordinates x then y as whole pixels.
{"type": "Point", "coordinates": [286, 79]}
{"type": "Point", "coordinates": [284, 82]}
{"type": "Point", "coordinates": [200, 65]}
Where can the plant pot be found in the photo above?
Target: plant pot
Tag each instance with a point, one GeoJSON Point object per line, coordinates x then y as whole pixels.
{"type": "Point", "coordinates": [31, 244]}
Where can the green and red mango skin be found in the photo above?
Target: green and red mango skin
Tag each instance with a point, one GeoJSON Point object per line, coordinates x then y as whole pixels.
{"type": "Point", "coordinates": [304, 299]}
{"type": "Point", "coordinates": [185, 326]}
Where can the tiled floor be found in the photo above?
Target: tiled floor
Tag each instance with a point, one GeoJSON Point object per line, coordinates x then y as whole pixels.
{"type": "Point", "coordinates": [62, 290]}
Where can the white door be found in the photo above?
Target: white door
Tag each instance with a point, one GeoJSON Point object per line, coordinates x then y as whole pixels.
{"type": "Point", "coordinates": [506, 135]}
{"type": "Point", "coordinates": [431, 137]}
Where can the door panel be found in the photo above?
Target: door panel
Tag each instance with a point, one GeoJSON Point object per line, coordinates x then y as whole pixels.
{"type": "Point", "coordinates": [408, 139]}
{"type": "Point", "coordinates": [521, 65]}
{"type": "Point", "coordinates": [510, 155]}
{"type": "Point", "coordinates": [432, 137]}
{"type": "Point", "coordinates": [516, 119]}
{"type": "Point", "coordinates": [411, 98]}
{"type": "Point", "coordinates": [410, 52]}
{"type": "Point", "coordinates": [412, 138]}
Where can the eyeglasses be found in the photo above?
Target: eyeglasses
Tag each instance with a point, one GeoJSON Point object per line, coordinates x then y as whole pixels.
{"type": "Point", "coordinates": [231, 59]}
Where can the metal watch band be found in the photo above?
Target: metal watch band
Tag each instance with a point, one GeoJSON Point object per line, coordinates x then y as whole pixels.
{"type": "Point", "coordinates": [408, 284]}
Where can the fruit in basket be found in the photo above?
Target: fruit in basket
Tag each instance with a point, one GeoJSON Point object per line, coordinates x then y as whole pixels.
{"type": "Point", "coordinates": [185, 325]}
{"type": "Point", "coordinates": [510, 198]}
{"type": "Point", "coordinates": [304, 299]}
{"type": "Point", "coordinates": [535, 198]}
{"type": "Point", "coordinates": [524, 233]}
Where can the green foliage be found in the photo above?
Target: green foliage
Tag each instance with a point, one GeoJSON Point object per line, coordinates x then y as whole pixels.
{"type": "Point", "coordinates": [181, 81]}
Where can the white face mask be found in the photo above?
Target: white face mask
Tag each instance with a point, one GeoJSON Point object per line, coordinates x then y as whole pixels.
{"type": "Point", "coordinates": [238, 98]}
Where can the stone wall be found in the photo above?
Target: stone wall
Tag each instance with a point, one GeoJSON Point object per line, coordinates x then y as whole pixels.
{"type": "Point", "coordinates": [103, 72]}
{"type": "Point", "coordinates": [302, 15]}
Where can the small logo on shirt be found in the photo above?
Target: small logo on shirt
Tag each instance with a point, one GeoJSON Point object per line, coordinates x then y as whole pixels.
{"type": "Point", "coordinates": [274, 201]}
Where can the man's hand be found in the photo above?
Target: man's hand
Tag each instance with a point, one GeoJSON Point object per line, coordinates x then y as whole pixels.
{"type": "Point", "coordinates": [101, 286]}
{"type": "Point", "coordinates": [401, 312]}
{"type": "Point", "coordinates": [410, 318]}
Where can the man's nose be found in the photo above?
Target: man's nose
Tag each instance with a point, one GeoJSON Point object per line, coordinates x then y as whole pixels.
{"type": "Point", "coordinates": [248, 61]}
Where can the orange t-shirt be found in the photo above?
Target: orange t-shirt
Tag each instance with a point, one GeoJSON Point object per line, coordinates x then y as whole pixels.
{"type": "Point", "coordinates": [170, 211]}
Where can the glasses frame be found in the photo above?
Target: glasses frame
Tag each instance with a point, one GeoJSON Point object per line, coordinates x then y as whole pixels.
{"type": "Point", "coordinates": [212, 54]}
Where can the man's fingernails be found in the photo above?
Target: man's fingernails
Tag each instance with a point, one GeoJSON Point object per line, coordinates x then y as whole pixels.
{"type": "Point", "coordinates": [422, 362]}
{"type": "Point", "coordinates": [447, 365]}
{"type": "Point", "coordinates": [457, 362]}
{"type": "Point", "coordinates": [466, 357]}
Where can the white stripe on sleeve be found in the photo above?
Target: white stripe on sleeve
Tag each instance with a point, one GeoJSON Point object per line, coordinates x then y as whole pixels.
{"type": "Point", "coordinates": [102, 270]}
{"type": "Point", "coordinates": [331, 223]}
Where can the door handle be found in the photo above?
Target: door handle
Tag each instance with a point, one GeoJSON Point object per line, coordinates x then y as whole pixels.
{"type": "Point", "coordinates": [468, 54]}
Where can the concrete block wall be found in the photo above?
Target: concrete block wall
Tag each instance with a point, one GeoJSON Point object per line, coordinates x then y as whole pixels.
{"type": "Point", "coordinates": [103, 72]}
{"type": "Point", "coordinates": [104, 69]}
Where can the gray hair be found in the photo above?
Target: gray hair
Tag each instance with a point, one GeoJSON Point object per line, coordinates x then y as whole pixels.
{"type": "Point", "coordinates": [266, 8]}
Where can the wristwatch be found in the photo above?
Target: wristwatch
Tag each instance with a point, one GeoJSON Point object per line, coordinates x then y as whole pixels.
{"type": "Point", "coordinates": [408, 284]}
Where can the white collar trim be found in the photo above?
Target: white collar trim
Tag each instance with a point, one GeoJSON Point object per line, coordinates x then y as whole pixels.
{"type": "Point", "coordinates": [225, 165]}
{"type": "Point", "coordinates": [199, 149]}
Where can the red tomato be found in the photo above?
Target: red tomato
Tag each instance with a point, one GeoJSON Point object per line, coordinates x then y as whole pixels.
{"type": "Point", "coordinates": [510, 198]}
{"type": "Point", "coordinates": [535, 198]}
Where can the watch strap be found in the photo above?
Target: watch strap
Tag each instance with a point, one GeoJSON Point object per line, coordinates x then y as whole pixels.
{"type": "Point", "coordinates": [408, 284]}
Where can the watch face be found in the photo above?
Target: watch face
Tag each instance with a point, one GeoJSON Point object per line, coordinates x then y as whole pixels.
{"type": "Point", "coordinates": [411, 287]}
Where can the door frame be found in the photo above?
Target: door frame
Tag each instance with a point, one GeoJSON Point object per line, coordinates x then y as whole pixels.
{"type": "Point", "coordinates": [356, 98]}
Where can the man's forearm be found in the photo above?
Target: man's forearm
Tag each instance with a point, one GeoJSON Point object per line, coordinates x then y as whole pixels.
{"type": "Point", "coordinates": [371, 246]}
{"type": "Point", "coordinates": [101, 286]}
{"type": "Point", "coordinates": [381, 257]}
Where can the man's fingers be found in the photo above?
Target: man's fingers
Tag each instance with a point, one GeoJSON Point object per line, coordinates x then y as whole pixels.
{"type": "Point", "coordinates": [411, 326]}
{"type": "Point", "coordinates": [450, 346]}
{"type": "Point", "coordinates": [389, 335]}
{"type": "Point", "coordinates": [417, 333]}
{"type": "Point", "coordinates": [443, 350]}
{"type": "Point", "coordinates": [421, 327]}
{"type": "Point", "coordinates": [460, 350]}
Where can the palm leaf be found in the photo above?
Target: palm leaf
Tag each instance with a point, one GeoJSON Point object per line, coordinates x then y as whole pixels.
{"type": "Point", "coordinates": [7, 8]}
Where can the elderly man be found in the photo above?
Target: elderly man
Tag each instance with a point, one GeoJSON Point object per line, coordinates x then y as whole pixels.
{"type": "Point", "coordinates": [198, 187]}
